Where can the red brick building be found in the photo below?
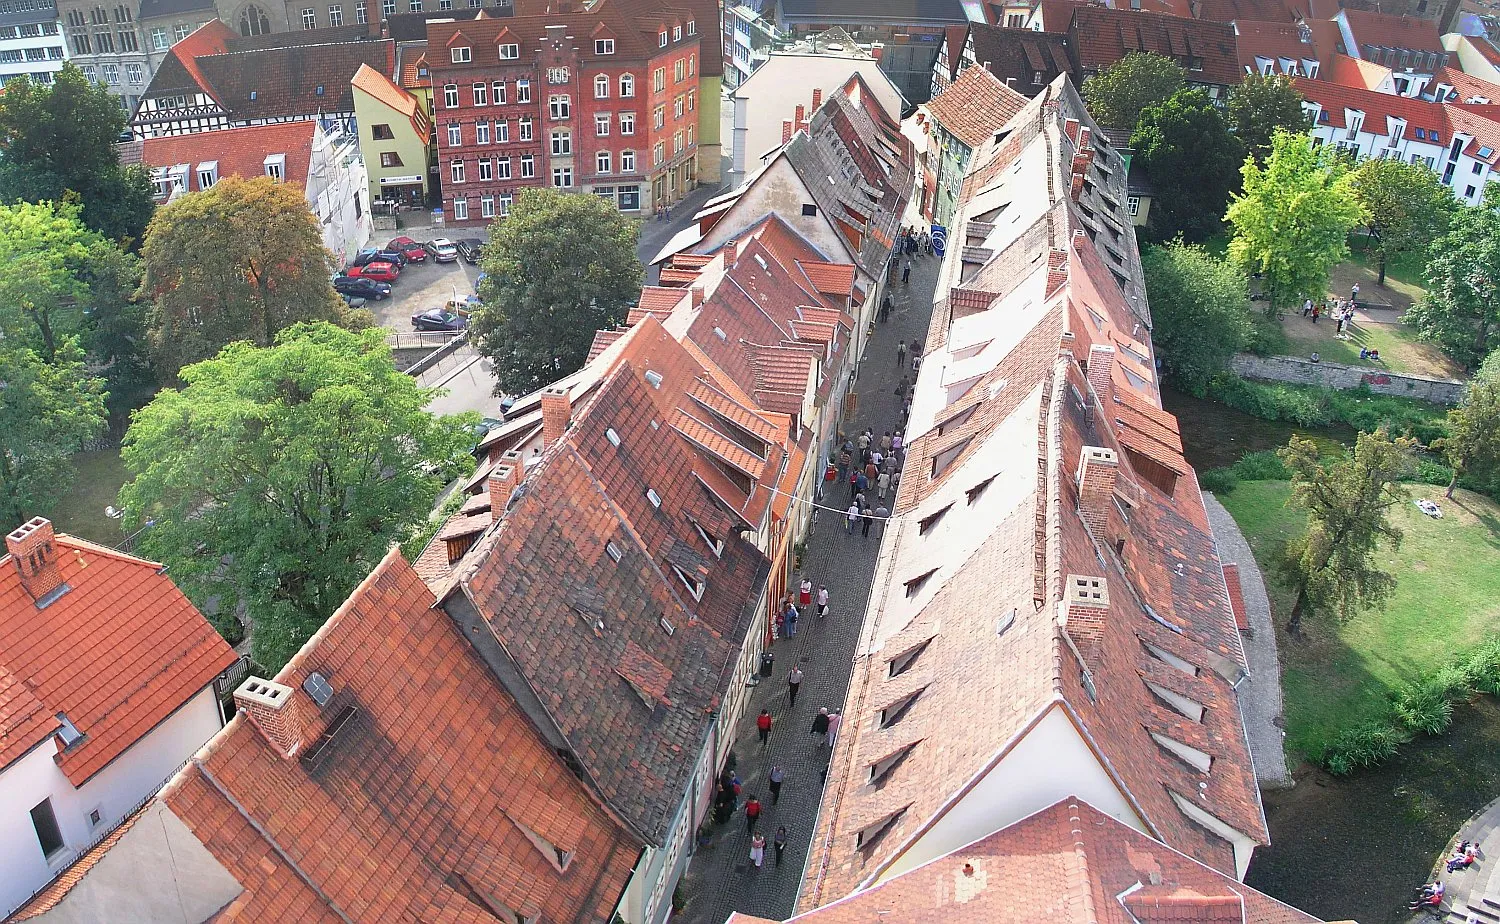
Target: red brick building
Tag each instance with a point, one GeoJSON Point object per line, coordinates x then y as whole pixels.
{"type": "Point", "coordinates": [593, 101]}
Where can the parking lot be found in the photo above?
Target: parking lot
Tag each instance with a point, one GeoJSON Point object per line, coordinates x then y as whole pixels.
{"type": "Point", "coordinates": [422, 286]}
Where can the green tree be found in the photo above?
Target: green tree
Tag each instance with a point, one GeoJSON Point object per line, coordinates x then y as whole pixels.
{"type": "Point", "coordinates": [558, 268]}
{"type": "Point", "coordinates": [47, 408]}
{"type": "Point", "coordinates": [1260, 105]}
{"type": "Point", "coordinates": [45, 249]}
{"type": "Point", "coordinates": [1406, 205]}
{"type": "Point", "coordinates": [1200, 317]}
{"type": "Point", "coordinates": [61, 138]}
{"type": "Point", "coordinates": [1185, 146]}
{"type": "Point", "coordinates": [113, 328]}
{"type": "Point", "coordinates": [1292, 221]}
{"type": "Point", "coordinates": [239, 261]}
{"type": "Point", "coordinates": [1472, 445]}
{"type": "Point", "coordinates": [1348, 501]}
{"type": "Point", "coordinates": [1118, 94]}
{"type": "Point", "coordinates": [277, 477]}
{"type": "Point", "coordinates": [1461, 308]}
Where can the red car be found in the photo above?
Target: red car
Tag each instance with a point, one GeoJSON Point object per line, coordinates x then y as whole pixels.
{"type": "Point", "coordinates": [379, 270]}
{"type": "Point", "coordinates": [408, 248]}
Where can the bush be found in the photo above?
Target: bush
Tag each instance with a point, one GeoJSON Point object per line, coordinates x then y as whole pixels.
{"type": "Point", "coordinates": [1261, 466]}
{"type": "Point", "coordinates": [1218, 480]}
{"type": "Point", "coordinates": [1365, 745]}
{"type": "Point", "coordinates": [1483, 667]}
{"type": "Point", "coordinates": [1431, 472]}
{"type": "Point", "coordinates": [1423, 706]}
{"type": "Point", "coordinates": [1316, 406]}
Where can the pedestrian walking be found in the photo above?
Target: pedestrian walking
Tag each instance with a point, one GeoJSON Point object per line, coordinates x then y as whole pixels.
{"type": "Point", "coordinates": [882, 484]}
{"type": "Point", "coordinates": [901, 355]}
{"type": "Point", "coordinates": [757, 849]}
{"type": "Point", "coordinates": [820, 722]}
{"type": "Point", "coordinates": [906, 273]}
{"type": "Point", "coordinates": [864, 526]}
{"type": "Point", "coordinates": [853, 516]}
{"type": "Point", "coordinates": [1307, 307]}
{"type": "Point", "coordinates": [835, 719]}
{"type": "Point", "coordinates": [793, 682]}
{"type": "Point", "coordinates": [862, 482]}
{"type": "Point", "coordinates": [872, 470]}
{"type": "Point", "coordinates": [885, 443]}
{"type": "Point", "coordinates": [822, 601]}
{"type": "Point", "coordinates": [763, 726]}
{"type": "Point", "coordinates": [776, 776]}
{"type": "Point", "coordinates": [883, 515]}
{"type": "Point", "coordinates": [844, 460]}
{"type": "Point", "coordinates": [864, 441]}
{"type": "Point", "coordinates": [885, 308]}
{"type": "Point", "coordinates": [898, 442]}
{"type": "Point", "coordinates": [1354, 293]}
{"type": "Point", "coordinates": [804, 592]}
{"type": "Point", "coordinates": [780, 843]}
{"type": "Point", "coordinates": [752, 813]}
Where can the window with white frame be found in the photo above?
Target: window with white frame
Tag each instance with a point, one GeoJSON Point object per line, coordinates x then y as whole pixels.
{"type": "Point", "coordinates": [450, 96]}
{"type": "Point", "coordinates": [159, 41]}
{"type": "Point", "coordinates": [559, 107]}
{"type": "Point", "coordinates": [658, 153]}
{"type": "Point", "coordinates": [601, 87]}
{"type": "Point", "coordinates": [481, 133]}
{"type": "Point", "coordinates": [676, 33]}
{"type": "Point", "coordinates": [481, 93]}
{"type": "Point", "coordinates": [505, 200]}
{"type": "Point", "coordinates": [523, 91]}
{"type": "Point", "coordinates": [562, 143]}
{"type": "Point", "coordinates": [499, 89]}
{"type": "Point", "coordinates": [524, 126]}
{"type": "Point", "coordinates": [486, 170]}
{"type": "Point", "coordinates": [457, 170]}
{"type": "Point", "coordinates": [661, 40]}
{"type": "Point", "coordinates": [460, 209]}
{"type": "Point", "coordinates": [134, 74]}
{"type": "Point", "coordinates": [692, 27]}
{"type": "Point", "coordinates": [528, 166]}
{"type": "Point", "coordinates": [627, 85]}
{"type": "Point", "coordinates": [692, 99]}
{"type": "Point", "coordinates": [627, 161]}
{"type": "Point", "coordinates": [309, 18]}
{"type": "Point", "coordinates": [1132, 205]}
{"type": "Point", "coordinates": [562, 177]}
{"type": "Point", "coordinates": [677, 105]}
{"type": "Point", "coordinates": [679, 70]}
{"type": "Point", "coordinates": [335, 15]}
{"type": "Point", "coordinates": [604, 46]}
{"type": "Point", "coordinates": [602, 162]}
{"type": "Point", "coordinates": [455, 135]}
{"type": "Point", "coordinates": [510, 52]}
{"type": "Point", "coordinates": [388, 8]}
{"type": "Point", "coordinates": [627, 123]}
{"type": "Point", "coordinates": [486, 206]}
{"type": "Point", "coordinates": [502, 168]}
{"type": "Point", "coordinates": [658, 117]}
{"type": "Point", "coordinates": [659, 79]}
{"type": "Point", "coordinates": [462, 54]}
{"type": "Point", "coordinates": [601, 124]}
{"type": "Point", "coordinates": [502, 131]}
{"type": "Point", "coordinates": [361, 12]}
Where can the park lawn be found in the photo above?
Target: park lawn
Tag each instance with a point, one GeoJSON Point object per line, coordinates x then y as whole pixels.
{"type": "Point", "coordinates": [1403, 274]}
{"type": "Point", "coordinates": [1447, 599]}
{"type": "Point", "coordinates": [1400, 350]}
{"type": "Point", "coordinates": [96, 486]}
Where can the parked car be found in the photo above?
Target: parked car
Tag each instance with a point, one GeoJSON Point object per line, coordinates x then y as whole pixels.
{"type": "Point", "coordinates": [442, 250]}
{"type": "Point", "coordinates": [354, 301]}
{"type": "Point", "coordinates": [371, 255]}
{"type": "Point", "coordinates": [379, 270]}
{"type": "Point", "coordinates": [438, 319]}
{"type": "Point", "coordinates": [362, 288]}
{"type": "Point", "coordinates": [469, 248]}
{"type": "Point", "coordinates": [409, 248]}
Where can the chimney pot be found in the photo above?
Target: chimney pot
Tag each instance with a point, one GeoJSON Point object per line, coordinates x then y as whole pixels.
{"type": "Point", "coordinates": [557, 407]}
{"type": "Point", "coordinates": [275, 709]}
{"type": "Point", "coordinates": [786, 130]}
{"type": "Point", "coordinates": [1097, 469]}
{"type": "Point", "coordinates": [1077, 187]}
{"type": "Point", "coordinates": [817, 97]}
{"type": "Point", "coordinates": [1070, 128]}
{"type": "Point", "coordinates": [1057, 270]}
{"type": "Point", "coordinates": [503, 480]}
{"type": "Point", "coordinates": [801, 114]}
{"type": "Point", "coordinates": [1101, 365]}
{"type": "Point", "coordinates": [33, 548]}
{"type": "Point", "coordinates": [1087, 601]}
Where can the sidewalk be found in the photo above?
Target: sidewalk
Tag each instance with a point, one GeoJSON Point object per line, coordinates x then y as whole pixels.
{"type": "Point", "coordinates": [1473, 895]}
{"type": "Point", "coordinates": [721, 879]}
{"type": "Point", "coordinates": [655, 233]}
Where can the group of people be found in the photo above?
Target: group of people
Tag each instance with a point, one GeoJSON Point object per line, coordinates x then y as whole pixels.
{"type": "Point", "coordinates": [1341, 312]}
{"type": "Point", "coordinates": [871, 466]}
{"type": "Point", "coordinates": [791, 613]}
{"type": "Point", "coordinates": [1430, 896]}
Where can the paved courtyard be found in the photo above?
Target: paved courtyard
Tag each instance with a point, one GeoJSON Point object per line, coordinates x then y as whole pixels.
{"type": "Point", "coordinates": [721, 878]}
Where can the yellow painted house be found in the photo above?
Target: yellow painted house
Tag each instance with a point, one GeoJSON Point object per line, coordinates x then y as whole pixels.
{"type": "Point", "coordinates": [393, 135]}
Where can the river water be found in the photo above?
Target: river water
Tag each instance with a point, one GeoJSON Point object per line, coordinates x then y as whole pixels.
{"type": "Point", "coordinates": [1216, 436]}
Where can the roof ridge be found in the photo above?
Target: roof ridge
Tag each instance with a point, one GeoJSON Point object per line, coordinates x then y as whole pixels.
{"type": "Point", "coordinates": [1078, 871]}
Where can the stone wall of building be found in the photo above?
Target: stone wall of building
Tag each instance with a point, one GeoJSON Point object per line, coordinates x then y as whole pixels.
{"type": "Point", "coordinates": [1298, 371]}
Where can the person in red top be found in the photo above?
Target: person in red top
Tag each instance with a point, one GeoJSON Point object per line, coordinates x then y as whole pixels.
{"type": "Point", "coordinates": [763, 725]}
{"type": "Point", "coordinates": [752, 814]}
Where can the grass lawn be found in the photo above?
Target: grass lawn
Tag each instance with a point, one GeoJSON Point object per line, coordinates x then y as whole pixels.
{"type": "Point", "coordinates": [1403, 274]}
{"type": "Point", "coordinates": [1400, 350]}
{"type": "Point", "coordinates": [97, 485]}
{"type": "Point", "coordinates": [1447, 598]}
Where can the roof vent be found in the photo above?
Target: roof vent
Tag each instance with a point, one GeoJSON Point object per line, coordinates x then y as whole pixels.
{"type": "Point", "coordinates": [613, 437]}
{"type": "Point", "coordinates": [653, 378]}
{"type": "Point", "coordinates": [318, 689]}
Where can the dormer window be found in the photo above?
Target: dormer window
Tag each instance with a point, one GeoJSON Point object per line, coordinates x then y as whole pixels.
{"type": "Point", "coordinates": [662, 39]}
{"type": "Point", "coordinates": [902, 662]}
{"type": "Point", "coordinates": [692, 27]}
{"type": "Point", "coordinates": [462, 54]}
{"type": "Point", "coordinates": [208, 174]}
{"type": "Point", "coordinates": [870, 835]}
{"type": "Point", "coordinates": [914, 586]}
{"type": "Point", "coordinates": [885, 765]}
{"type": "Point", "coordinates": [714, 543]}
{"type": "Point", "coordinates": [275, 166]}
{"type": "Point", "coordinates": [604, 46]}
{"type": "Point", "coordinates": [694, 586]}
{"type": "Point", "coordinates": [510, 52]}
{"type": "Point", "coordinates": [557, 856]}
{"type": "Point", "coordinates": [676, 33]}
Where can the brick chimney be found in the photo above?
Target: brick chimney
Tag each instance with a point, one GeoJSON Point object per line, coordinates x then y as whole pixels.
{"type": "Point", "coordinates": [557, 407]}
{"type": "Point", "coordinates": [1057, 270]}
{"type": "Point", "coordinates": [817, 98]}
{"type": "Point", "coordinates": [1086, 605]}
{"type": "Point", "coordinates": [786, 130]}
{"type": "Point", "coordinates": [1070, 128]}
{"type": "Point", "coordinates": [801, 116]}
{"type": "Point", "coordinates": [1097, 468]}
{"type": "Point", "coordinates": [503, 480]}
{"type": "Point", "coordinates": [1101, 365]}
{"type": "Point", "coordinates": [276, 710]}
{"type": "Point", "coordinates": [1076, 188]}
{"type": "Point", "coordinates": [34, 550]}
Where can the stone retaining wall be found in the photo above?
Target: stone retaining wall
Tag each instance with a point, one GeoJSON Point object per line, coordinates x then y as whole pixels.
{"type": "Point", "coordinates": [1298, 371]}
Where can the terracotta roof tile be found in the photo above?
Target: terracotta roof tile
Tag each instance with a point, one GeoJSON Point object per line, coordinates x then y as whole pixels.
{"type": "Point", "coordinates": [118, 653]}
{"type": "Point", "coordinates": [24, 720]}
{"type": "Point", "coordinates": [1103, 36]}
{"type": "Point", "coordinates": [1236, 597]}
{"type": "Point", "coordinates": [1390, 31]}
{"type": "Point", "coordinates": [975, 106]}
{"type": "Point", "coordinates": [1018, 55]}
{"type": "Point", "coordinates": [238, 151]}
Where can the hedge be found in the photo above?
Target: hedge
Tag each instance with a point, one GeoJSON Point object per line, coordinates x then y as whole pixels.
{"type": "Point", "coordinates": [1317, 406]}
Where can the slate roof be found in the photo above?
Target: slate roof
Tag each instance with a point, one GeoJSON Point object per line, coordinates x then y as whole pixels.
{"type": "Point", "coordinates": [412, 27]}
{"type": "Point", "coordinates": [1068, 864]}
{"type": "Point", "coordinates": [150, 9]}
{"type": "Point", "coordinates": [974, 580]}
{"type": "Point", "coordinates": [118, 653]}
{"type": "Point", "coordinates": [915, 12]}
{"type": "Point", "coordinates": [1016, 55]}
{"type": "Point", "coordinates": [1275, 11]}
{"type": "Point", "coordinates": [238, 151]}
{"type": "Point", "coordinates": [543, 577]}
{"type": "Point", "coordinates": [1103, 36]}
{"type": "Point", "coordinates": [414, 807]}
{"type": "Point", "coordinates": [975, 106]}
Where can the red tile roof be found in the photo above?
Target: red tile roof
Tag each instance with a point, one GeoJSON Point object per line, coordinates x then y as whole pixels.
{"type": "Point", "coordinates": [418, 804]}
{"type": "Point", "coordinates": [1236, 597]}
{"type": "Point", "coordinates": [1377, 107]}
{"type": "Point", "coordinates": [238, 151]}
{"type": "Point", "coordinates": [412, 59]}
{"type": "Point", "coordinates": [1390, 31]}
{"type": "Point", "coordinates": [1103, 36]}
{"type": "Point", "coordinates": [1068, 864]}
{"type": "Point", "coordinates": [118, 653]}
{"type": "Point", "coordinates": [1354, 72]}
{"type": "Point", "coordinates": [1276, 40]}
{"type": "Point", "coordinates": [975, 106]}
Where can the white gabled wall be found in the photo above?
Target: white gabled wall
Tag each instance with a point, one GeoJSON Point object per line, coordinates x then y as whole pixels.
{"type": "Point", "coordinates": [114, 791]}
{"type": "Point", "coordinates": [1051, 762]}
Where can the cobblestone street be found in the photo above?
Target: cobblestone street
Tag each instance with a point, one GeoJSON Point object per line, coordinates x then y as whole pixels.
{"type": "Point", "coordinates": [721, 878]}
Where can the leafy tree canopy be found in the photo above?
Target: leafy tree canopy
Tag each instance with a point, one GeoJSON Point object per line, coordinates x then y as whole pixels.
{"type": "Point", "coordinates": [1461, 308]}
{"type": "Point", "coordinates": [1199, 312]}
{"type": "Point", "coordinates": [47, 408]}
{"type": "Point", "coordinates": [560, 267]}
{"type": "Point", "coordinates": [1292, 222]}
{"type": "Point", "coordinates": [45, 250]}
{"type": "Point", "coordinates": [1259, 106]}
{"type": "Point", "coordinates": [1118, 94]}
{"type": "Point", "coordinates": [1185, 146]}
{"type": "Point", "coordinates": [277, 477]}
{"type": "Point", "coordinates": [1407, 206]}
{"type": "Point", "coordinates": [1348, 501]}
{"type": "Point", "coordinates": [239, 261]}
{"type": "Point", "coordinates": [1472, 445]}
{"type": "Point", "coordinates": [60, 138]}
